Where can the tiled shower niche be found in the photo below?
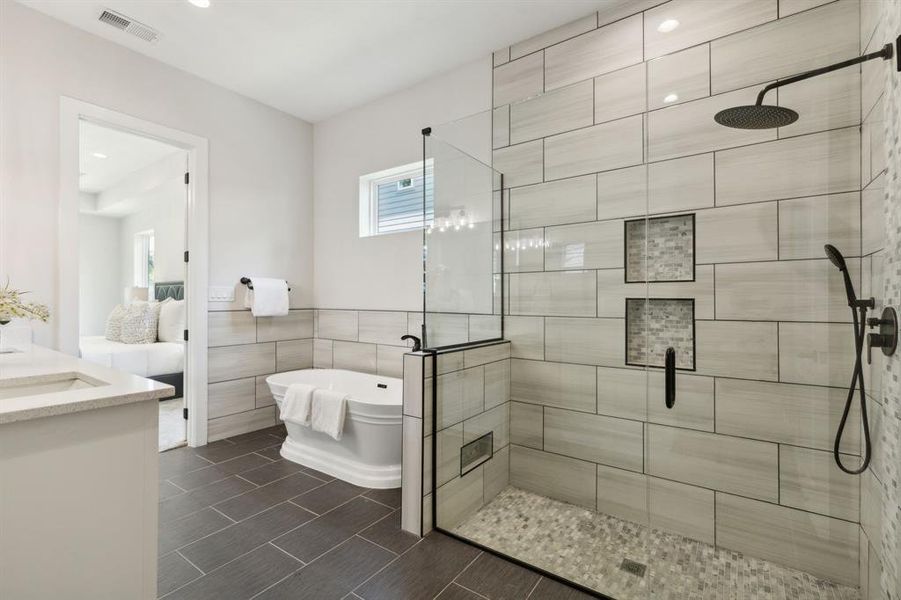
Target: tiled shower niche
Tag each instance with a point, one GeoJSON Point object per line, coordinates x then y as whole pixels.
{"type": "Point", "coordinates": [655, 324]}
{"type": "Point", "coordinates": [660, 249]}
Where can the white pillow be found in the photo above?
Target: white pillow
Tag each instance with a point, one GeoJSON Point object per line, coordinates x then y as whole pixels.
{"type": "Point", "coordinates": [113, 331]}
{"type": "Point", "coordinates": [172, 321]}
{"type": "Point", "coordinates": [140, 323]}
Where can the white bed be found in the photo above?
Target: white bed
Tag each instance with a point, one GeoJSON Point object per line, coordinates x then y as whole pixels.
{"type": "Point", "coordinates": [146, 360]}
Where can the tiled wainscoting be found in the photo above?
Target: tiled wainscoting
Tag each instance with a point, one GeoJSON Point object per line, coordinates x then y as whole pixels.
{"type": "Point", "coordinates": [473, 399]}
{"type": "Point", "coordinates": [244, 350]}
{"type": "Point", "coordinates": [586, 142]}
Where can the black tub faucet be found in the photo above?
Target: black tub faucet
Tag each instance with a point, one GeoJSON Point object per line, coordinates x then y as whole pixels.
{"type": "Point", "coordinates": [417, 344]}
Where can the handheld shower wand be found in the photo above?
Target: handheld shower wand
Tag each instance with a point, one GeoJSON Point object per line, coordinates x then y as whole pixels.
{"type": "Point", "coordinates": [857, 381]}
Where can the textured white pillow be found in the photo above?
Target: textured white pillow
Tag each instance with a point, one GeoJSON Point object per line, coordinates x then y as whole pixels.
{"type": "Point", "coordinates": [113, 331]}
{"type": "Point", "coordinates": [140, 323]}
{"type": "Point", "coordinates": [172, 321]}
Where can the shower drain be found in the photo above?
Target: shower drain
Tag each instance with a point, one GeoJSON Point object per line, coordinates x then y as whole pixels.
{"type": "Point", "coordinates": [635, 568]}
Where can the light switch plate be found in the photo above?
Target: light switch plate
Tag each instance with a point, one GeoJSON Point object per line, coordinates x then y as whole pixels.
{"type": "Point", "coordinates": [221, 293]}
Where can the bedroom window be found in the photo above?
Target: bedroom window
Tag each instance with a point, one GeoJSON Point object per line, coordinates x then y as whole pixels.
{"type": "Point", "coordinates": [391, 200]}
{"type": "Point", "coordinates": [143, 257]}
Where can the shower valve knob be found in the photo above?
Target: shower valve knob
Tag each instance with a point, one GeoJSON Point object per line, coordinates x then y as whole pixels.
{"type": "Point", "coordinates": [887, 338]}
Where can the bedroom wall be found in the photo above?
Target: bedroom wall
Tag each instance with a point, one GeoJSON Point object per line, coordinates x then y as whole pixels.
{"type": "Point", "coordinates": [260, 171]}
{"type": "Point", "coordinates": [99, 286]}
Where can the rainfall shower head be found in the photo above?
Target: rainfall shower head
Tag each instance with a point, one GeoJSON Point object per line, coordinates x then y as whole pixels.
{"type": "Point", "coordinates": [756, 116]}
{"type": "Point", "coordinates": [769, 116]}
{"type": "Point", "coordinates": [838, 260]}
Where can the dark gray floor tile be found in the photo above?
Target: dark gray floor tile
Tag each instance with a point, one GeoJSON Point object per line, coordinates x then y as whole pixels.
{"type": "Point", "coordinates": [272, 471]}
{"type": "Point", "coordinates": [387, 533]}
{"type": "Point", "coordinates": [272, 453]}
{"type": "Point", "coordinates": [497, 578]}
{"type": "Point", "coordinates": [334, 574]}
{"type": "Point", "coordinates": [181, 532]}
{"type": "Point", "coordinates": [222, 453]}
{"type": "Point", "coordinates": [179, 506]}
{"type": "Point", "coordinates": [332, 528]}
{"type": "Point", "coordinates": [455, 592]}
{"type": "Point", "coordinates": [328, 496]}
{"type": "Point", "coordinates": [317, 474]}
{"type": "Point", "coordinates": [167, 490]}
{"type": "Point", "coordinates": [387, 497]}
{"type": "Point", "coordinates": [215, 550]}
{"type": "Point", "coordinates": [201, 477]}
{"type": "Point", "coordinates": [259, 499]}
{"type": "Point", "coordinates": [548, 589]}
{"type": "Point", "coordinates": [173, 571]}
{"type": "Point", "coordinates": [180, 460]}
{"type": "Point", "coordinates": [422, 572]}
{"type": "Point", "coordinates": [241, 578]}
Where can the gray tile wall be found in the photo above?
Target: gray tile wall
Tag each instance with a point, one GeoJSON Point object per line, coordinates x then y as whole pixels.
{"type": "Point", "coordinates": [742, 461]}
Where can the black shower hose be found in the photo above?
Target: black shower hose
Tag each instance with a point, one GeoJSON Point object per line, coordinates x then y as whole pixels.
{"type": "Point", "coordinates": [856, 376]}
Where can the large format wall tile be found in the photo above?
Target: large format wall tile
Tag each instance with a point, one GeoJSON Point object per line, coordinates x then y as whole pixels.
{"type": "Point", "coordinates": [527, 424]}
{"type": "Point", "coordinates": [459, 498]}
{"type": "Point", "coordinates": [800, 415]}
{"type": "Point", "coordinates": [683, 509]}
{"type": "Point", "coordinates": [872, 224]}
{"type": "Point", "coordinates": [685, 75]}
{"type": "Point", "coordinates": [526, 335]}
{"type": "Point", "coordinates": [390, 360]}
{"type": "Point", "coordinates": [554, 36]}
{"type": "Point", "coordinates": [519, 79]}
{"type": "Point", "coordinates": [297, 324]}
{"type": "Point", "coordinates": [238, 362]}
{"type": "Point", "coordinates": [606, 49]}
{"type": "Point", "coordinates": [600, 148]}
{"type": "Point", "coordinates": [785, 47]}
{"type": "Point", "coordinates": [810, 480]}
{"type": "Point", "coordinates": [808, 165]}
{"type": "Point", "coordinates": [447, 453]}
{"type": "Point", "coordinates": [730, 464]}
{"type": "Point", "coordinates": [622, 494]}
{"type": "Point", "coordinates": [500, 127]}
{"type": "Point", "coordinates": [382, 327]}
{"type": "Point", "coordinates": [553, 384]}
{"type": "Point", "coordinates": [338, 325]}
{"type": "Point", "coordinates": [553, 203]}
{"type": "Point", "coordinates": [355, 356]}
{"type": "Point", "coordinates": [605, 440]}
{"type": "Point", "coordinates": [791, 290]}
{"type": "Point", "coordinates": [693, 410]}
{"type": "Point", "coordinates": [680, 184]}
{"type": "Point", "coordinates": [595, 245]}
{"type": "Point", "coordinates": [806, 224]}
{"type": "Point", "coordinates": [555, 112]}
{"type": "Point", "coordinates": [495, 420]}
{"type": "Point", "coordinates": [737, 233]}
{"type": "Point", "coordinates": [842, 88]}
{"type": "Point", "coordinates": [819, 545]}
{"type": "Point", "coordinates": [559, 477]}
{"type": "Point", "coordinates": [585, 341]}
{"type": "Point", "coordinates": [737, 349]}
{"type": "Point", "coordinates": [816, 353]}
{"type": "Point", "coordinates": [620, 94]}
{"type": "Point", "coordinates": [564, 293]}
{"type": "Point", "coordinates": [690, 129]}
{"type": "Point", "coordinates": [523, 251]}
{"type": "Point", "coordinates": [229, 397]}
{"type": "Point", "coordinates": [622, 393]}
{"type": "Point", "coordinates": [293, 354]}
{"type": "Point", "coordinates": [622, 193]}
{"type": "Point", "coordinates": [229, 328]}
{"type": "Point", "coordinates": [461, 395]}
{"type": "Point", "coordinates": [521, 164]}
{"type": "Point", "coordinates": [701, 21]}
{"type": "Point", "coordinates": [251, 420]}
{"type": "Point", "coordinates": [612, 292]}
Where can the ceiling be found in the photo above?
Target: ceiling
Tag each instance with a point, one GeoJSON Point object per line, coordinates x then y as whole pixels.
{"type": "Point", "coordinates": [317, 58]}
{"type": "Point", "coordinates": [125, 154]}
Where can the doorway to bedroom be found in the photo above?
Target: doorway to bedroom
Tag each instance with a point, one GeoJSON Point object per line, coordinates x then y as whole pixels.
{"type": "Point", "coordinates": [132, 273]}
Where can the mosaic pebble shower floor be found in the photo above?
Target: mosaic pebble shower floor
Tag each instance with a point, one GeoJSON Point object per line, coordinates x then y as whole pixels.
{"type": "Point", "coordinates": [588, 547]}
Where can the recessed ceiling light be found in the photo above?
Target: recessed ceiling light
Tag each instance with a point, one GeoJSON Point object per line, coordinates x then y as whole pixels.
{"type": "Point", "coordinates": [99, 155]}
{"type": "Point", "coordinates": [200, 3]}
{"type": "Point", "coordinates": [670, 98]}
{"type": "Point", "coordinates": [667, 25]}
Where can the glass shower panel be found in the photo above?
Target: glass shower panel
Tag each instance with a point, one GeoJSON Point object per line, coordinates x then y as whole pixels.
{"type": "Point", "coordinates": [462, 264]}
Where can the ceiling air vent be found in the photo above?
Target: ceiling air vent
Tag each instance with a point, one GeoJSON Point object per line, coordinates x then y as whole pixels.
{"type": "Point", "coordinates": [123, 23]}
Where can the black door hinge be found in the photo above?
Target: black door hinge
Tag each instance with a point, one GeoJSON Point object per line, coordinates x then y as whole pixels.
{"type": "Point", "coordinates": [186, 256]}
{"type": "Point", "coordinates": [184, 413]}
{"type": "Point", "coordinates": [187, 178]}
{"type": "Point", "coordinates": [186, 335]}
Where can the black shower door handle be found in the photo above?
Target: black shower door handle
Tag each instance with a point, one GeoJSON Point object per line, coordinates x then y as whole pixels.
{"type": "Point", "coordinates": [670, 377]}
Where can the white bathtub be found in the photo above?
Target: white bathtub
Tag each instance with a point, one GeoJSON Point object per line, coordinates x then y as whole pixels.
{"type": "Point", "coordinates": [369, 453]}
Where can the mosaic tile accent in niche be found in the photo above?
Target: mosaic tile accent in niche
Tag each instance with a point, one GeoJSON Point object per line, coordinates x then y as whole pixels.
{"type": "Point", "coordinates": [670, 249]}
{"type": "Point", "coordinates": [653, 325]}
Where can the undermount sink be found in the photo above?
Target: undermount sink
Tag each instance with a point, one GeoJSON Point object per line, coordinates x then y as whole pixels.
{"type": "Point", "coordinates": [46, 384]}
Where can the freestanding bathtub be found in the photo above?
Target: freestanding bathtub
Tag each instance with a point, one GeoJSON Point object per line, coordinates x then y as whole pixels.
{"type": "Point", "coordinates": [369, 452]}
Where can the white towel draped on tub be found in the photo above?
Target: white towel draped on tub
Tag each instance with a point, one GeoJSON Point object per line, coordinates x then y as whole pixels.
{"type": "Point", "coordinates": [329, 408]}
{"type": "Point", "coordinates": [297, 404]}
{"type": "Point", "coordinates": [268, 298]}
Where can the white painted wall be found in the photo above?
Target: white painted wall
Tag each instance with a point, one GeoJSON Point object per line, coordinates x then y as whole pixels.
{"type": "Point", "coordinates": [260, 159]}
{"type": "Point", "coordinates": [385, 272]}
{"type": "Point", "coordinates": [99, 257]}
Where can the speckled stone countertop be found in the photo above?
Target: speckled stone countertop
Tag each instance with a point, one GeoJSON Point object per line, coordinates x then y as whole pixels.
{"type": "Point", "coordinates": [47, 372]}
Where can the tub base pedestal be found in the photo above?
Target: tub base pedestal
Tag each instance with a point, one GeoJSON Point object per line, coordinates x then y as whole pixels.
{"type": "Point", "coordinates": [342, 467]}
